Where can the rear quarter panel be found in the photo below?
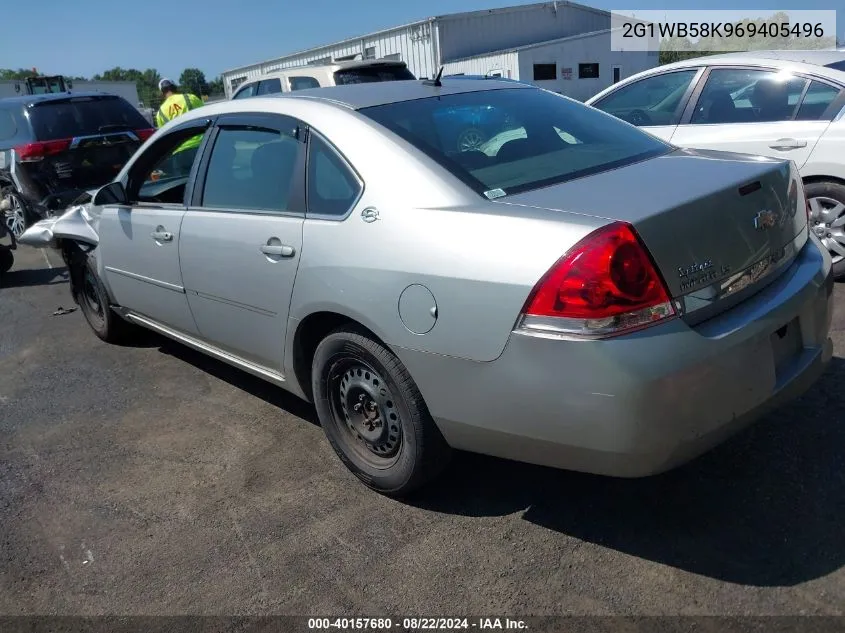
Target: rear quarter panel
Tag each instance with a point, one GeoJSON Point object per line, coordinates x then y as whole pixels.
{"type": "Point", "coordinates": [827, 160]}
{"type": "Point", "coordinates": [479, 260]}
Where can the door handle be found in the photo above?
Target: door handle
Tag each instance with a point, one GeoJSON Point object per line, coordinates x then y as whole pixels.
{"type": "Point", "coordinates": [278, 250]}
{"type": "Point", "coordinates": [788, 143]}
{"type": "Point", "coordinates": [162, 236]}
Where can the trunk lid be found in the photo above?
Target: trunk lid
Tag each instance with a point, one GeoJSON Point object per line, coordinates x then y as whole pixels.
{"type": "Point", "coordinates": [718, 225]}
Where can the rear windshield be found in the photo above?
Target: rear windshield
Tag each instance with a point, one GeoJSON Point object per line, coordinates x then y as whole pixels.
{"type": "Point", "coordinates": [84, 116]}
{"type": "Point", "coordinates": [371, 74]}
{"type": "Point", "coordinates": [837, 65]}
{"type": "Point", "coordinates": [506, 141]}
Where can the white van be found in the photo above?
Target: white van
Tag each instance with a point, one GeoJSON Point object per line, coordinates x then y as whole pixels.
{"type": "Point", "coordinates": [336, 74]}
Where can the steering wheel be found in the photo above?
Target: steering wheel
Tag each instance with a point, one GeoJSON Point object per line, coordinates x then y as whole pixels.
{"type": "Point", "coordinates": [638, 117]}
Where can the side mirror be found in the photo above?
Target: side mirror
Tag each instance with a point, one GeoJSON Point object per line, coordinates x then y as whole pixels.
{"type": "Point", "coordinates": [112, 193]}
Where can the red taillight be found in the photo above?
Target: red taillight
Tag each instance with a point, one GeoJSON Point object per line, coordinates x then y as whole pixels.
{"type": "Point", "coordinates": [606, 284]}
{"type": "Point", "coordinates": [145, 134]}
{"type": "Point", "coordinates": [36, 151]}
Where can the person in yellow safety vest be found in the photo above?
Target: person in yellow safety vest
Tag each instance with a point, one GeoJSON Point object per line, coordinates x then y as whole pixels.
{"type": "Point", "coordinates": [176, 104]}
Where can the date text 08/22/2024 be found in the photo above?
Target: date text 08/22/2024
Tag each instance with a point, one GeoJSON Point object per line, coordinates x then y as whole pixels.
{"type": "Point", "coordinates": [416, 624]}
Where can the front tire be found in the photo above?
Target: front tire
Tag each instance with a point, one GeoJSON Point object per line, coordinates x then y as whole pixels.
{"type": "Point", "coordinates": [827, 220]}
{"type": "Point", "coordinates": [374, 415]}
{"type": "Point", "coordinates": [94, 302]}
{"type": "Point", "coordinates": [7, 259]}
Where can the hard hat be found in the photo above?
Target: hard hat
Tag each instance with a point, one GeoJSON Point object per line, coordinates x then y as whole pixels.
{"type": "Point", "coordinates": [165, 83]}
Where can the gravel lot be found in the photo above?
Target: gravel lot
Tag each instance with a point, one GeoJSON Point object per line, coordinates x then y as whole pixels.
{"type": "Point", "coordinates": [152, 480]}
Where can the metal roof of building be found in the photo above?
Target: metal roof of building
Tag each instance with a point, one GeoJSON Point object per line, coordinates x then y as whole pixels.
{"type": "Point", "coordinates": [444, 17]}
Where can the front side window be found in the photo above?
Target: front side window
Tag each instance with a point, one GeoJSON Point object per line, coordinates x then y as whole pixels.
{"type": "Point", "coordinates": [303, 83]}
{"type": "Point", "coordinates": [534, 138]}
{"type": "Point", "coordinates": [650, 101]}
{"type": "Point", "coordinates": [161, 174]}
{"type": "Point", "coordinates": [269, 86]}
{"type": "Point", "coordinates": [332, 187]}
{"type": "Point", "coordinates": [251, 169]}
{"type": "Point", "coordinates": [247, 91]}
{"type": "Point", "coordinates": [736, 95]}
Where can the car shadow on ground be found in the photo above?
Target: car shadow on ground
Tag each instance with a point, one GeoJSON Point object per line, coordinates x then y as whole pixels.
{"type": "Point", "coordinates": [764, 509]}
{"type": "Point", "coordinates": [238, 378]}
{"type": "Point", "coordinates": [34, 277]}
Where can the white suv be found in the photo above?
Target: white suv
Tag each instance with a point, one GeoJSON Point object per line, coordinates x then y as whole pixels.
{"type": "Point", "coordinates": [339, 73]}
{"type": "Point", "coordinates": [787, 104]}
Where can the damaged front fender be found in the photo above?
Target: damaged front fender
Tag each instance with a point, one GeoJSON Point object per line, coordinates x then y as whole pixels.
{"type": "Point", "coordinates": [77, 224]}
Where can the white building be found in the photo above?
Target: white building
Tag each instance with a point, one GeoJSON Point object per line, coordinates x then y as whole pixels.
{"type": "Point", "coordinates": [463, 40]}
{"type": "Point", "coordinates": [578, 66]}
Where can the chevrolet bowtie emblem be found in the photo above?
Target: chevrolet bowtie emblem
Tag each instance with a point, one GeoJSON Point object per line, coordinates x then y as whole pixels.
{"type": "Point", "coordinates": [765, 220]}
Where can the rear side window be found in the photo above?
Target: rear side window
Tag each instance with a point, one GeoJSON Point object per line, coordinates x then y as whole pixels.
{"type": "Point", "coordinates": [332, 187]}
{"type": "Point", "coordinates": [8, 127]}
{"type": "Point", "coordinates": [246, 91]}
{"type": "Point", "coordinates": [837, 65]}
{"type": "Point", "coordinates": [398, 72]}
{"type": "Point", "coordinates": [84, 116]}
{"type": "Point", "coordinates": [303, 83]}
{"type": "Point", "coordinates": [251, 169]}
{"type": "Point", "coordinates": [269, 86]}
{"type": "Point", "coordinates": [816, 100]}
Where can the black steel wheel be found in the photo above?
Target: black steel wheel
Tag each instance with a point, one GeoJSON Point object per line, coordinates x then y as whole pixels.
{"type": "Point", "coordinates": [374, 415]}
{"type": "Point", "coordinates": [94, 302]}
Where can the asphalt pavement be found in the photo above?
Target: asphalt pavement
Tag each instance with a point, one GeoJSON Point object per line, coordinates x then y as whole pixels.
{"type": "Point", "coordinates": [149, 479]}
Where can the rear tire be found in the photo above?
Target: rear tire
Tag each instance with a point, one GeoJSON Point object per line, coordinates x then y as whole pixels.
{"type": "Point", "coordinates": [374, 415]}
{"type": "Point", "coordinates": [827, 220]}
{"type": "Point", "coordinates": [94, 302]}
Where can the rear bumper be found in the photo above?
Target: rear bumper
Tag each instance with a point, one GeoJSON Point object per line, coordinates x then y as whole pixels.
{"type": "Point", "coordinates": [641, 404]}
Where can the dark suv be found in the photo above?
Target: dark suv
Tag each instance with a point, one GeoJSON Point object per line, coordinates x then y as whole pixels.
{"type": "Point", "coordinates": [54, 147]}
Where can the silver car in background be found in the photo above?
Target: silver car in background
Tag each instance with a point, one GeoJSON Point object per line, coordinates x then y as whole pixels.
{"type": "Point", "coordinates": [574, 293]}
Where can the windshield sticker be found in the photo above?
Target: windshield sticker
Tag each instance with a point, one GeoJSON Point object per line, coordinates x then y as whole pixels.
{"type": "Point", "coordinates": [494, 193]}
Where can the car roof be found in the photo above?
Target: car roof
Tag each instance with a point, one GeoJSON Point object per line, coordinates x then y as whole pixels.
{"type": "Point", "coordinates": [26, 100]}
{"type": "Point", "coordinates": [480, 78]}
{"type": "Point", "coordinates": [365, 95]}
{"type": "Point", "coordinates": [819, 58]}
{"type": "Point", "coordinates": [807, 61]}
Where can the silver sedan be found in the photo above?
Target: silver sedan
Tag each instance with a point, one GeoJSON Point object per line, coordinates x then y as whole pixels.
{"type": "Point", "coordinates": [573, 292]}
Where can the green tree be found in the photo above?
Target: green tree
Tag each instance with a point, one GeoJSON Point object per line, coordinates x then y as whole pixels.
{"type": "Point", "coordinates": [193, 80]}
{"type": "Point", "coordinates": [146, 82]}
{"type": "Point", "coordinates": [20, 73]}
{"type": "Point", "coordinates": [215, 87]}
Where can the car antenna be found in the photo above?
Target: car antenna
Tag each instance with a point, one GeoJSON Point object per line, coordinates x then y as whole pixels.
{"type": "Point", "coordinates": [436, 81]}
